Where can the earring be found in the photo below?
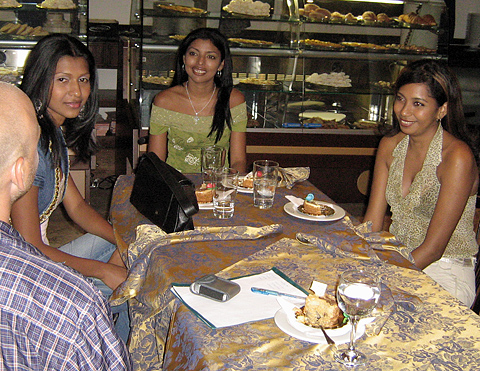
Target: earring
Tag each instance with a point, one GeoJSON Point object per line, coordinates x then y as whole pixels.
{"type": "Point", "coordinates": [37, 104]}
{"type": "Point", "coordinates": [183, 67]}
{"type": "Point", "coordinates": [219, 73]}
{"type": "Point", "coordinates": [81, 114]}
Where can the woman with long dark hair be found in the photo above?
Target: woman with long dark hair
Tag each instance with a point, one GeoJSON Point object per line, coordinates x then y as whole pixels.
{"type": "Point", "coordinates": [201, 107]}
{"type": "Point", "coordinates": [426, 171]}
{"type": "Point", "coordinates": [61, 80]}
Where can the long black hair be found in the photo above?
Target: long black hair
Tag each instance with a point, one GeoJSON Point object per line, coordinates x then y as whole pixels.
{"type": "Point", "coordinates": [443, 86]}
{"type": "Point", "coordinates": [37, 82]}
{"type": "Point", "coordinates": [224, 82]}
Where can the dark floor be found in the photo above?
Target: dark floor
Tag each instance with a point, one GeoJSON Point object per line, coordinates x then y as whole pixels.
{"type": "Point", "coordinates": [62, 230]}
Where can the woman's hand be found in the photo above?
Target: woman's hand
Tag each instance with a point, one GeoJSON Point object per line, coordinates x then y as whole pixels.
{"type": "Point", "coordinates": [112, 275]}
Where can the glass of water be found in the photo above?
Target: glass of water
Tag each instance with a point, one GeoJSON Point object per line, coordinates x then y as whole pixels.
{"type": "Point", "coordinates": [224, 192]}
{"type": "Point", "coordinates": [357, 295]}
{"type": "Point", "coordinates": [265, 180]}
{"type": "Point", "coordinates": [213, 159]}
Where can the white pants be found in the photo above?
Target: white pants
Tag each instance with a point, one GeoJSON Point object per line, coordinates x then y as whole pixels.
{"type": "Point", "coordinates": [457, 276]}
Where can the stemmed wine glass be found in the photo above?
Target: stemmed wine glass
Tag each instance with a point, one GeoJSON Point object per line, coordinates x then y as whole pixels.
{"type": "Point", "coordinates": [357, 295]}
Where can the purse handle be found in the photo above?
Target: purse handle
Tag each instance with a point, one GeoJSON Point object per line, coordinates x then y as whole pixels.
{"type": "Point", "coordinates": [165, 170]}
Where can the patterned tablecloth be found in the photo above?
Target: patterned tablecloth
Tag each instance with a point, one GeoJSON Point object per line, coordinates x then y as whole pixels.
{"type": "Point", "coordinates": [156, 260]}
{"type": "Point", "coordinates": [441, 334]}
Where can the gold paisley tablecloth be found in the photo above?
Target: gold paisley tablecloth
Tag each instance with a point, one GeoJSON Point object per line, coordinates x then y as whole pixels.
{"type": "Point", "coordinates": [156, 260]}
{"type": "Point", "coordinates": [441, 334]}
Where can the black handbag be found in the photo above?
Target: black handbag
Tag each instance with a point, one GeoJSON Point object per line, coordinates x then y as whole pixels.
{"type": "Point", "coordinates": [163, 194]}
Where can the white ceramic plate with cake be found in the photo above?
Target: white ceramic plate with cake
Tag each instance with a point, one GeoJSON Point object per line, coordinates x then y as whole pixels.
{"type": "Point", "coordinates": [297, 212]}
{"type": "Point", "coordinates": [241, 188]}
{"type": "Point", "coordinates": [286, 321]}
{"type": "Point", "coordinates": [205, 205]}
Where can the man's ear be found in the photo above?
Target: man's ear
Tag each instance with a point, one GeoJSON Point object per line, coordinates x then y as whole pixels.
{"type": "Point", "coordinates": [18, 174]}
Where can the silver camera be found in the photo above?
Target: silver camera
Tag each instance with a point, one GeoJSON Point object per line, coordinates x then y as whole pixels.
{"type": "Point", "coordinates": [215, 288]}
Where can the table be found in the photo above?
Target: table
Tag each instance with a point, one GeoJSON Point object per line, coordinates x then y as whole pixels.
{"type": "Point", "coordinates": [441, 335]}
{"type": "Point", "coordinates": [156, 262]}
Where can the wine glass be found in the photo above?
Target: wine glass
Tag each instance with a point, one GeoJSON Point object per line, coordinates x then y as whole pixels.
{"type": "Point", "coordinates": [357, 294]}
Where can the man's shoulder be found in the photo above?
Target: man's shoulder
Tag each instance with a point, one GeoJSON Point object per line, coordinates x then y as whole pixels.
{"type": "Point", "coordinates": [24, 264]}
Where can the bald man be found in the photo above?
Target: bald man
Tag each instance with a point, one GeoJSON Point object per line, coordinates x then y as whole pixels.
{"type": "Point", "coordinates": [51, 318]}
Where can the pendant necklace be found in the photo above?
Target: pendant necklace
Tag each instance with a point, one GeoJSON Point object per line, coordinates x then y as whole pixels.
{"type": "Point", "coordinates": [196, 118]}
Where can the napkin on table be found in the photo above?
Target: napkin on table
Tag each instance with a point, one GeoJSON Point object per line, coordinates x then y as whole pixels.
{"type": "Point", "coordinates": [290, 175]}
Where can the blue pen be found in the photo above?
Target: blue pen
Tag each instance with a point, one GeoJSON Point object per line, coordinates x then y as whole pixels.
{"type": "Point", "coordinates": [258, 290]}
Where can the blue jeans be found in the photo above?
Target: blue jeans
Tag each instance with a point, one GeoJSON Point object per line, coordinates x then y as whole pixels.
{"type": "Point", "coordinates": [93, 247]}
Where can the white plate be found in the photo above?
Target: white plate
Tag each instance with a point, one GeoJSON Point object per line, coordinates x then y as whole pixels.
{"type": "Point", "coordinates": [205, 206]}
{"type": "Point", "coordinates": [327, 116]}
{"type": "Point", "coordinates": [339, 336]}
{"type": "Point", "coordinates": [292, 210]}
{"type": "Point", "coordinates": [243, 189]}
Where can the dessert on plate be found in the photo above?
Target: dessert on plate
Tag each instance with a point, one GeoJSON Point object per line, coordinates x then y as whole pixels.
{"type": "Point", "coordinates": [204, 193]}
{"type": "Point", "coordinates": [315, 207]}
{"type": "Point", "coordinates": [320, 311]}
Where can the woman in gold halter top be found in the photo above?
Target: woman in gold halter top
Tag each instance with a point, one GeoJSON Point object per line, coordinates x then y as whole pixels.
{"type": "Point", "coordinates": [426, 172]}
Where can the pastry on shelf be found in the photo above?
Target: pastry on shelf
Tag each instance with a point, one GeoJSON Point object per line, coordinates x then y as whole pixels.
{"type": "Point", "coordinates": [181, 9]}
{"type": "Point", "coordinates": [57, 4]}
{"type": "Point", "coordinates": [19, 29]}
{"type": "Point", "coordinates": [350, 18]}
{"type": "Point", "coordinates": [320, 14]}
{"type": "Point", "coordinates": [337, 17]}
{"type": "Point", "coordinates": [9, 4]}
{"type": "Point", "coordinates": [429, 20]}
{"type": "Point", "coordinates": [322, 44]}
{"type": "Point", "coordinates": [415, 19]}
{"type": "Point", "coordinates": [383, 18]}
{"type": "Point", "coordinates": [250, 42]}
{"type": "Point", "coordinates": [369, 17]}
{"type": "Point", "coordinates": [248, 7]}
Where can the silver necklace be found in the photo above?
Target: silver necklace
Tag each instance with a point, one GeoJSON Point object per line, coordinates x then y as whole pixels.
{"type": "Point", "coordinates": [196, 118]}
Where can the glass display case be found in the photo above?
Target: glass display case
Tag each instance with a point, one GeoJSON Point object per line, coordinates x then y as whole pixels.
{"type": "Point", "coordinates": [23, 23]}
{"type": "Point", "coordinates": [317, 68]}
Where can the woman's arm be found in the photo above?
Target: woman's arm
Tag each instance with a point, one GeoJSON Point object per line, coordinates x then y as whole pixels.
{"type": "Point", "coordinates": [158, 144]}
{"type": "Point", "coordinates": [238, 140]}
{"type": "Point", "coordinates": [377, 204]}
{"type": "Point", "coordinates": [25, 218]}
{"type": "Point", "coordinates": [458, 176]}
{"type": "Point", "coordinates": [238, 154]}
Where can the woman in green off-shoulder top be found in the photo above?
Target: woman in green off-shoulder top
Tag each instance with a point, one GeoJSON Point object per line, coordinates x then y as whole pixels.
{"type": "Point", "coordinates": [201, 108]}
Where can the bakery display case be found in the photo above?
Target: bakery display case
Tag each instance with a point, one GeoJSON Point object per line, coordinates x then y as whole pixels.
{"type": "Point", "coordinates": [23, 23]}
{"type": "Point", "coordinates": [316, 75]}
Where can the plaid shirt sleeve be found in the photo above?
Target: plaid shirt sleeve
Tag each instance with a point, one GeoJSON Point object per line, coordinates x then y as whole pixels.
{"type": "Point", "coordinates": [51, 318]}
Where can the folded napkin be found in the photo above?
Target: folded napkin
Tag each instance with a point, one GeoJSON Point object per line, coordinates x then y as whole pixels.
{"type": "Point", "coordinates": [296, 201]}
{"type": "Point", "coordinates": [381, 241]}
{"type": "Point", "coordinates": [290, 175]}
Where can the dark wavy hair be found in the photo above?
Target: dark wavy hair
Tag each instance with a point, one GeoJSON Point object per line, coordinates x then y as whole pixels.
{"type": "Point", "coordinates": [443, 86]}
{"type": "Point", "coordinates": [224, 82]}
{"type": "Point", "coordinates": [37, 82]}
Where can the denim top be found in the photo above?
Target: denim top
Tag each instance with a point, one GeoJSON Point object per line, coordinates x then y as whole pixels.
{"type": "Point", "coordinates": [45, 176]}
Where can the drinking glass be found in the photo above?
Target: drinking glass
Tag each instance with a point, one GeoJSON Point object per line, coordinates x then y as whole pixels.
{"type": "Point", "coordinates": [212, 159]}
{"type": "Point", "coordinates": [265, 179]}
{"type": "Point", "coordinates": [224, 192]}
{"type": "Point", "coordinates": [357, 295]}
